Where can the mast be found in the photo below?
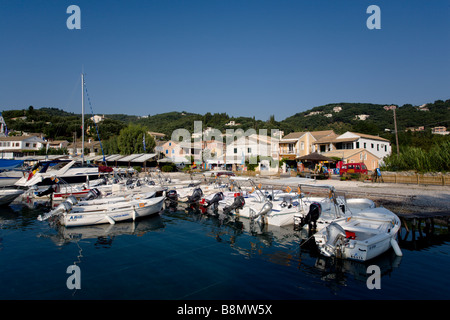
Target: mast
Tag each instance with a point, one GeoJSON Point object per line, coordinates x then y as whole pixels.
{"type": "Point", "coordinates": [82, 118]}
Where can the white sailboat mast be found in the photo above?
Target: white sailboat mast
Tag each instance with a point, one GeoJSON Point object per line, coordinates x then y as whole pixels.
{"type": "Point", "coordinates": [82, 118]}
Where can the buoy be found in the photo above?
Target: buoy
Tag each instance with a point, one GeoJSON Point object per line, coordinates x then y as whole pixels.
{"type": "Point", "coordinates": [110, 220]}
{"type": "Point", "coordinates": [396, 247]}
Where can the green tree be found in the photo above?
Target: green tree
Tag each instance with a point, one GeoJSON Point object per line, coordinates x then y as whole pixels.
{"type": "Point", "coordinates": [130, 140]}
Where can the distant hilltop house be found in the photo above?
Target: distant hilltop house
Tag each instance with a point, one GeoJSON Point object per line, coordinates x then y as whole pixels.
{"type": "Point", "coordinates": [337, 109]}
{"type": "Point", "coordinates": [362, 117]}
{"type": "Point", "coordinates": [97, 118]}
{"type": "Point", "coordinates": [440, 130]}
{"type": "Point", "coordinates": [232, 123]}
{"type": "Point", "coordinates": [416, 129]}
{"type": "Point", "coordinates": [313, 113]}
{"type": "Point", "coordinates": [423, 107]}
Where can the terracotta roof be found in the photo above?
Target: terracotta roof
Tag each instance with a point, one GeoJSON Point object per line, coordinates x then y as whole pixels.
{"type": "Point", "coordinates": [294, 135]}
{"type": "Point", "coordinates": [316, 134]}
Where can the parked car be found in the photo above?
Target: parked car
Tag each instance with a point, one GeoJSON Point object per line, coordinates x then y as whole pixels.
{"type": "Point", "coordinates": [353, 168]}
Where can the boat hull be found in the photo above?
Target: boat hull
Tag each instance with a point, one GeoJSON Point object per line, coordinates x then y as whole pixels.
{"type": "Point", "coordinates": [9, 195]}
{"type": "Point", "coordinates": [278, 216]}
{"type": "Point", "coordinates": [92, 215]}
{"type": "Point", "coordinates": [363, 237]}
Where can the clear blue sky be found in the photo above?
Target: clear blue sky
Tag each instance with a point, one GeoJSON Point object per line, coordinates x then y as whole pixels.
{"type": "Point", "coordinates": [242, 57]}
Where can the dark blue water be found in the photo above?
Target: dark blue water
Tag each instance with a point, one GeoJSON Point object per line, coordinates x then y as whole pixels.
{"type": "Point", "coordinates": [184, 255]}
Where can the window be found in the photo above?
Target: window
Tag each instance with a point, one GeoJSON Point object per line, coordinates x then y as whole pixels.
{"type": "Point", "coordinates": [170, 143]}
{"type": "Point", "coordinates": [371, 145]}
{"type": "Point", "coordinates": [235, 150]}
{"type": "Point", "coordinates": [167, 151]}
{"type": "Point", "coordinates": [249, 150]}
{"type": "Point", "coordinates": [357, 144]}
{"type": "Point", "coordinates": [302, 145]}
{"type": "Point", "coordinates": [365, 145]}
{"type": "Point", "coordinates": [378, 147]}
{"type": "Point", "coordinates": [173, 151]}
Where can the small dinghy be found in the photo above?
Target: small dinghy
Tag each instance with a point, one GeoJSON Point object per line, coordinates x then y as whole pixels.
{"type": "Point", "coordinates": [71, 214]}
{"type": "Point", "coordinates": [362, 236]}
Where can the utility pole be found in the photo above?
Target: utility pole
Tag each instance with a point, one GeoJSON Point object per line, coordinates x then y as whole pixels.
{"type": "Point", "coordinates": [396, 133]}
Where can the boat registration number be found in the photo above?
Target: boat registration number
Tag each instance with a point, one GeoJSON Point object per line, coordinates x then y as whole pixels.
{"type": "Point", "coordinates": [75, 217]}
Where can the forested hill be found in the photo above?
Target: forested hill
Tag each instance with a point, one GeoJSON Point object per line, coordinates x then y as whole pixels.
{"type": "Point", "coordinates": [58, 124]}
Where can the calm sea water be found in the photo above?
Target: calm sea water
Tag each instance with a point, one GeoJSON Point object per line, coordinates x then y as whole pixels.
{"type": "Point", "coordinates": [184, 255]}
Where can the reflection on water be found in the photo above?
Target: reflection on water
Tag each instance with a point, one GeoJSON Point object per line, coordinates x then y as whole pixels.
{"type": "Point", "coordinates": [104, 233]}
{"type": "Point", "coordinates": [274, 256]}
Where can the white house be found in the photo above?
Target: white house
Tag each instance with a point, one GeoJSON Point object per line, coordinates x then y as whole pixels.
{"type": "Point", "coordinates": [247, 148]}
{"type": "Point", "coordinates": [378, 146]}
{"type": "Point", "coordinates": [10, 145]}
{"type": "Point", "coordinates": [20, 143]}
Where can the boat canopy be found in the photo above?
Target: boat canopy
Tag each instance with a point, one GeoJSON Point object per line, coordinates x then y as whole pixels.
{"type": "Point", "coordinates": [6, 164]}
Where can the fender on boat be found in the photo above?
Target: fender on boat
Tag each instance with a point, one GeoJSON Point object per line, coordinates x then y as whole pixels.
{"type": "Point", "coordinates": [396, 247]}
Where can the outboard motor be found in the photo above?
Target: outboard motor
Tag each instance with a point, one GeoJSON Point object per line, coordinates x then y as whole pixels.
{"type": "Point", "coordinates": [65, 206]}
{"type": "Point", "coordinates": [315, 209]}
{"type": "Point", "coordinates": [72, 200]}
{"type": "Point", "coordinates": [171, 199]}
{"type": "Point", "coordinates": [172, 195]}
{"type": "Point", "coordinates": [267, 207]}
{"type": "Point", "coordinates": [237, 204]}
{"type": "Point", "coordinates": [94, 193]}
{"type": "Point", "coordinates": [214, 202]}
{"type": "Point", "coordinates": [196, 195]}
{"type": "Point", "coordinates": [335, 234]}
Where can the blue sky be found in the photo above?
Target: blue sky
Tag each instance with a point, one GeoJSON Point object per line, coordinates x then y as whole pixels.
{"type": "Point", "coordinates": [242, 57]}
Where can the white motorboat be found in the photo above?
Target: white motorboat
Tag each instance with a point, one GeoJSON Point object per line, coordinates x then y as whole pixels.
{"type": "Point", "coordinates": [362, 236]}
{"type": "Point", "coordinates": [9, 195]}
{"type": "Point", "coordinates": [10, 172]}
{"type": "Point", "coordinates": [45, 173]}
{"type": "Point", "coordinates": [266, 206]}
{"type": "Point", "coordinates": [325, 206]}
{"type": "Point", "coordinates": [71, 214]}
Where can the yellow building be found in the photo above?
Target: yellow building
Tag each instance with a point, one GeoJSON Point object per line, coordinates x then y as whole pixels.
{"type": "Point", "coordinates": [297, 144]}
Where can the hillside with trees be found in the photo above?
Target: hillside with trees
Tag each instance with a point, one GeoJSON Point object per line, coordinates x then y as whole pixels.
{"type": "Point", "coordinates": [58, 124]}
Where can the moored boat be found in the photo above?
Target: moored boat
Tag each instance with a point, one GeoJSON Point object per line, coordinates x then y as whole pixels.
{"type": "Point", "coordinates": [70, 214]}
{"type": "Point", "coordinates": [362, 236]}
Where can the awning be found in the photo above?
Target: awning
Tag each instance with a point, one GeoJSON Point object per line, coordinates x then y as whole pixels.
{"type": "Point", "coordinates": [144, 157]}
{"type": "Point", "coordinates": [176, 160]}
{"type": "Point", "coordinates": [315, 157]}
{"type": "Point", "coordinates": [130, 158]}
{"type": "Point", "coordinates": [113, 157]}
